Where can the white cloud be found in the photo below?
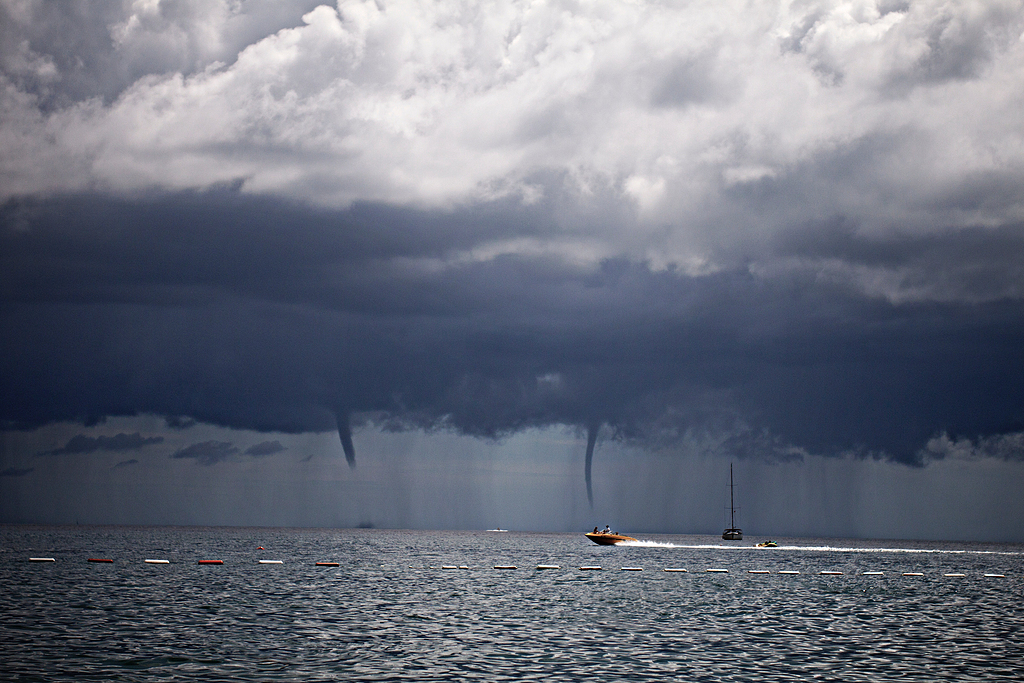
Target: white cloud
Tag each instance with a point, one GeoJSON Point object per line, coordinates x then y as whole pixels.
{"type": "Point", "coordinates": [1008, 446]}
{"type": "Point", "coordinates": [672, 110]}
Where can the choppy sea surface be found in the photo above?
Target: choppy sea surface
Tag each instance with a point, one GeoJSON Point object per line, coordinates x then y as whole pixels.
{"type": "Point", "coordinates": [427, 606]}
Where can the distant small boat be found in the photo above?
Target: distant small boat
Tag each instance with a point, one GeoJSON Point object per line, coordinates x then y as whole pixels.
{"type": "Point", "coordinates": [607, 539]}
{"type": "Point", "coordinates": [499, 530]}
{"type": "Point", "coordinates": [767, 544]}
{"type": "Point", "coordinates": [732, 533]}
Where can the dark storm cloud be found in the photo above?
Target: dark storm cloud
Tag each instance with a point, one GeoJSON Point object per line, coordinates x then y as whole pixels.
{"type": "Point", "coordinates": [265, 316]}
{"type": "Point", "coordinates": [207, 452]}
{"type": "Point", "coordinates": [265, 448]}
{"type": "Point", "coordinates": [179, 422]}
{"type": "Point", "coordinates": [16, 472]}
{"type": "Point", "coordinates": [82, 443]}
{"type": "Point", "coordinates": [773, 229]}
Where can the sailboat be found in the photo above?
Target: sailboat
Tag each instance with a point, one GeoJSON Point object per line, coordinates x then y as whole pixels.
{"type": "Point", "coordinates": [732, 533]}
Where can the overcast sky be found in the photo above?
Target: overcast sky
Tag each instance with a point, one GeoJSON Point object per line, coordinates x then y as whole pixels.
{"type": "Point", "coordinates": [417, 264]}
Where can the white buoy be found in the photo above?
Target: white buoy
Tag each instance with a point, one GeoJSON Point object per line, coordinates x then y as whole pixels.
{"type": "Point", "coordinates": [632, 569]}
{"type": "Point", "coordinates": [995, 576]}
{"type": "Point", "coordinates": [548, 566]}
{"type": "Point", "coordinates": [955, 575]}
{"type": "Point", "coordinates": [758, 571]}
{"type": "Point", "coordinates": [717, 571]}
{"type": "Point", "coordinates": [913, 573]}
{"type": "Point", "coordinates": [505, 566]}
{"type": "Point", "coordinates": [789, 571]}
{"type": "Point", "coordinates": [675, 569]}
{"type": "Point", "coordinates": [271, 561]}
{"type": "Point", "coordinates": [448, 566]}
{"type": "Point", "coordinates": [157, 561]}
{"type": "Point", "coordinates": [42, 559]}
{"type": "Point", "coordinates": [873, 574]}
{"type": "Point", "coordinates": [827, 573]}
{"type": "Point", "coordinates": [592, 568]}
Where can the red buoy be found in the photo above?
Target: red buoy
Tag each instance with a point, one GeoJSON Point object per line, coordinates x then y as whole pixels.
{"type": "Point", "coordinates": [97, 559]}
{"type": "Point", "coordinates": [211, 561]}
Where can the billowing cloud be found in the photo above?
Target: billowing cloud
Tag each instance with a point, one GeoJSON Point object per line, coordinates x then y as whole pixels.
{"type": "Point", "coordinates": [16, 471]}
{"type": "Point", "coordinates": [670, 111]}
{"type": "Point", "coordinates": [771, 229]}
{"type": "Point", "coordinates": [207, 452]}
{"type": "Point", "coordinates": [179, 421]}
{"type": "Point", "coordinates": [1004, 446]}
{"type": "Point", "coordinates": [283, 318]}
{"type": "Point", "coordinates": [265, 448]}
{"type": "Point", "coordinates": [82, 443]}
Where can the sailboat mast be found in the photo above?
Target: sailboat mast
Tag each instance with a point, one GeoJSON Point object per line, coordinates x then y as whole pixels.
{"type": "Point", "coordinates": [732, 505]}
{"type": "Point", "coordinates": [732, 533]}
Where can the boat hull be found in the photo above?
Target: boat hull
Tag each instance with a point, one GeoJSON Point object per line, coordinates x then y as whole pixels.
{"type": "Point", "coordinates": [608, 539]}
{"type": "Point", "coordinates": [732, 535]}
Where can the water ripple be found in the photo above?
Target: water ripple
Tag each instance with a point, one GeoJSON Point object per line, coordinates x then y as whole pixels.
{"type": "Point", "coordinates": [389, 612]}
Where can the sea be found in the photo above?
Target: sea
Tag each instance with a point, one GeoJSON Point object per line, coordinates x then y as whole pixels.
{"type": "Point", "coordinates": [476, 605]}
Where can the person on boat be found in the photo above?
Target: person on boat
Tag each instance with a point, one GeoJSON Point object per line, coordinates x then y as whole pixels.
{"type": "Point", "coordinates": [595, 530]}
{"type": "Point", "coordinates": [607, 529]}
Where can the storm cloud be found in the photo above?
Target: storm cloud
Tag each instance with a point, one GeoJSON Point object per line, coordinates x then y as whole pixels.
{"type": "Point", "coordinates": [266, 318]}
{"type": "Point", "coordinates": [774, 230]}
{"type": "Point", "coordinates": [82, 443]}
{"type": "Point", "coordinates": [16, 471]}
{"type": "Point", "coordinates": [207, 452]}
{"type": "Point", "coordinates": [265, 448]}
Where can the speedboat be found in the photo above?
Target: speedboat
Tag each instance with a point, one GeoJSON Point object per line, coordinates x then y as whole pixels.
{"type": "Point", "coordinates": [767, 544]}
{"type": "Point", "coordinates": [607, 539]}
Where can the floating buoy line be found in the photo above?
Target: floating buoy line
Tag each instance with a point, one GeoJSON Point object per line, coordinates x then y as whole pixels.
{"type": "Point", "coordinates": [582, 568]}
